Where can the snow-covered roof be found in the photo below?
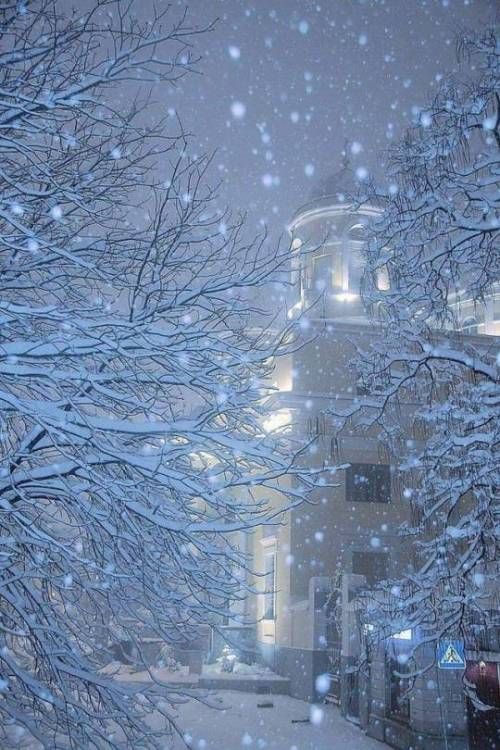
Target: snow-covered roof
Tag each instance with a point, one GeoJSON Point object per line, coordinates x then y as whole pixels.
{"type": "Point", "coordinates": [340, 188]}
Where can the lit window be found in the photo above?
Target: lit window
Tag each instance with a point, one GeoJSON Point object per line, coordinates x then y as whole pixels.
{"type": "Point", "coordinates": [322, 272]}
{"type": "Point", "coordinates": [269, 585]}
{"type": "Point", "coordinates": [403, 635]}
{"type": "Point", "coordinates": [383, 283]}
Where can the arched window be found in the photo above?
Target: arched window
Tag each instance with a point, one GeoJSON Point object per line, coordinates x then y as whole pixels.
{"type": "Point", "coordinates": [357, 233]}
{"type": "Point", "coordinates": [356, 237]}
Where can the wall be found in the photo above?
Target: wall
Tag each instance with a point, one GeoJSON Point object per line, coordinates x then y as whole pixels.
{"type": "Point", "coordinates": [436, 705]}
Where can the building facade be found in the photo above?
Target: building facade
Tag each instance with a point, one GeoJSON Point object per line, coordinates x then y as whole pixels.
{"type": "Point", "coordinates": [346, 537]}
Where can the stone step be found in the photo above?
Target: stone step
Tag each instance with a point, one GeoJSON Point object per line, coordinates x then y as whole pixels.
{"type": "Point", "coordinates": [272, 685]}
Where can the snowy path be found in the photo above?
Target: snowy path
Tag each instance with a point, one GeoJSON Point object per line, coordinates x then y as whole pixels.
{"type": "Point", "coordinates": [244, 726]}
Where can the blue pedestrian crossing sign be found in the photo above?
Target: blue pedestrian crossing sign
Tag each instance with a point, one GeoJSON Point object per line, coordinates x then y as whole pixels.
{"type": "Point", "coordinates": [451, 655]}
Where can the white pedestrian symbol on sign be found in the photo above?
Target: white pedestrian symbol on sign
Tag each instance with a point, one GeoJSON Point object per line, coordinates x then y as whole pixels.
{"type": "Point", "coordinates": [451, 656]}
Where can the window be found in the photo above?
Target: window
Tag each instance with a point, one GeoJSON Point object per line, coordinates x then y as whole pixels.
{"type": "Point", "coordinates": [362, 390]}
{"type": "Point", "coordinates": [322, 272]}
{"type": "Point", "coordinates": [368, 483]}
{"type": "Point", "coordinates": [372, 565]}
{"type": "Point", "coordinates": [358, 233]}
{"type": "Point", "coordinates": [383, 283]}
{"type": "Point", "coordinates": [356, 271]}
{"type": "Point", "coordinates": [337, 269]}
{"type": "Point", "coordinates": [269, 585]}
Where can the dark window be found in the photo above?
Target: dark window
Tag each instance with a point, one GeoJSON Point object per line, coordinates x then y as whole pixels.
{"type": "Point", "coordinates": [372, 565]}
{"type": "Point", "coordinates": [368, 483]}
{"type": "Point", "coordinates": [362, 390]}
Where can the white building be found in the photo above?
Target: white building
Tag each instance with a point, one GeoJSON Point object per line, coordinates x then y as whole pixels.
{"type": "Point", "coordinates": [347, 534]}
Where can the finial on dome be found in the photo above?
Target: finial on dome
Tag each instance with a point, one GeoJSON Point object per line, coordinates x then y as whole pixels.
{"type": "Point", "coordinates": [341, 184]}
{"type": "Point", "coordinates": [346, 161]}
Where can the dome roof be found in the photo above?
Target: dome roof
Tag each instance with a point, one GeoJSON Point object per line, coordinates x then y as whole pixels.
{"type": "Point", "coordinates": [339, 186]}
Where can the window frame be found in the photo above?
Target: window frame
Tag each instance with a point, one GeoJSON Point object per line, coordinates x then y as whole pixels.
{"type": "Point", "coordinates": [269, 592]}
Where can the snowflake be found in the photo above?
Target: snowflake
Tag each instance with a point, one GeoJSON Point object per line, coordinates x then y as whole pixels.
{"type": "Point", "coordinates": [238, 110]}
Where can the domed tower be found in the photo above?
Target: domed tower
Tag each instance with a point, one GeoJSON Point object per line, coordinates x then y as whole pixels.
{"type": "Point", "coordinates": [328, 233]}
{"type": "Point", "coordinates": [333, 532]}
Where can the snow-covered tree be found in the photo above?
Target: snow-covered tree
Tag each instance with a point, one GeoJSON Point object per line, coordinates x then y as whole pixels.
{"type": "Point", "coordinates": [431, 375]}
{"type": "Point", "coordinates": [133, 366]}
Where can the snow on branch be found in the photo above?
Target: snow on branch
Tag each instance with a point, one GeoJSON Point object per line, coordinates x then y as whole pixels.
{"type": "Point", "coordinates": [134, 371]}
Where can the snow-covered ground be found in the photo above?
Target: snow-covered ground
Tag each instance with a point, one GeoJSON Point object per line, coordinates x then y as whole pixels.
{"type": "Point", "coordinates": [252, 670]}
{"type": "Point", "coordinates": [240, 724]}
{"type": "Point", "coordinates": [238, 720]}
{"type": "Point", "coordinates": [129, 673]}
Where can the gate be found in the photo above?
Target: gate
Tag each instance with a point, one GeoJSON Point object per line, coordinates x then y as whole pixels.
{"type": "Point", "coordinates": [333, 649]}
{"type": "Point", "coordinates": [333, 654]}
{"type": "Point", "coordinates": [484, 723]}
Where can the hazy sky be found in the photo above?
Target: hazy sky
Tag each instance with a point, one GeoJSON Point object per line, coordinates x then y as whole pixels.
{"type": "Point", "coordinates": [285, 82]}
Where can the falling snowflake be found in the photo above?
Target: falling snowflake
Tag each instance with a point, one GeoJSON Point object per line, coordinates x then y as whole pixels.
{"type": "Point", "coordinates": [322, 683]}
{"type": "Point", "coordinates": [238, 110]}
{"type": "Point", "coordinates": [316, 715]}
